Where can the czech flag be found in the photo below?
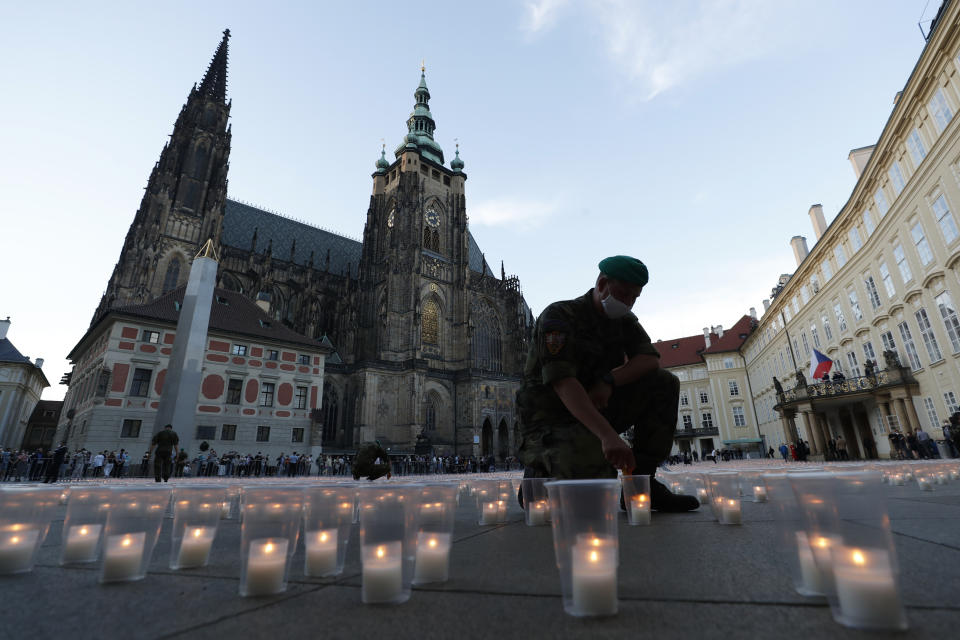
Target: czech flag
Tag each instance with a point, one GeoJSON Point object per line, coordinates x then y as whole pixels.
{"type": "Point", "coordinates": [819, 366]}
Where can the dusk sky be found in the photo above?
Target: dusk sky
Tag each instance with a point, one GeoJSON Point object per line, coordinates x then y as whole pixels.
{"type": "Point", "coordinates": [693, 135]}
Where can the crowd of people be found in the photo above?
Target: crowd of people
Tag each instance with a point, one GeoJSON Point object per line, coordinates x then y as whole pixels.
{"type": "Point", "coordinates": [38, 465]}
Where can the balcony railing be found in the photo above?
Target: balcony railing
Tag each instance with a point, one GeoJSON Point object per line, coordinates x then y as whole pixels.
{"type": "Point", "coordinates": [697, 433]}
{"type": "Point", "coordinates": [848, 386]}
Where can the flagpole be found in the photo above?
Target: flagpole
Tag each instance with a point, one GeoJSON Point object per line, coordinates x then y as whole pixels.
{"type": "Point", "coordinates": [789, 344]}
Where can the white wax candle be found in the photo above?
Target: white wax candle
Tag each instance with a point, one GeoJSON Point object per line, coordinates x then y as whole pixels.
{"type": "Point", "coordinates": [898, 480]}
{"type": "Point", "coordinates": [382, 574]}
{"type": "Point", "coordinates": [81, 544]}
{"type": "Point", "coordinates": [702, 494]}
{"type": "Point", "coordinates": [816, 576]}
{"type": "Point", "coordinates": [431, 513]}
{"type": "Point", "coordinates": [433, 558]}
{"type": "Point", "coordinates": [225, 510]}
{"type": "Point", "coordinates": [594, 580]}
{"type": "Point", "coordinates": [489, 513]}
{"type": "Point", "coordinates": [321, 557]}
{"type": "Point", "coordinates": [195, 547]}
{"type": "Point", "coordinates": [716, 506]}
{"type": "Point", "coordinates": [924, 484]}
{"type": "Point", "coordinates": [16, 549]}
{"type": "Point", "coordinates": [639, 510]}
{"type": "Point", "coordinates": [123, 557]}
{"type": "Point", "coordinates": [266, 567]}
{"type": "Point", "coordinates": [501, 510]}
{"type": "Point", "coordinates": [955, 475]}
{"type": "Point", "coordinates": [730, 512]}
{"type": "Point", "coordinates": [908, 476]}
{"type": "Point", "coordinates": [759, 494]}
{"type": "Point", "coordinates": [867, 592]}
{"type": "Point", "coordinates": [941, 478]}
{"type": "Point", "coordinates": [537, 513]}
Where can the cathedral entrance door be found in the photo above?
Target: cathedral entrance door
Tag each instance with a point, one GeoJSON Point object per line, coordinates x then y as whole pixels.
{"type": "Point", "coordinates": [486, 438]}
{"type": "Point", "coordinates": [503, 440]}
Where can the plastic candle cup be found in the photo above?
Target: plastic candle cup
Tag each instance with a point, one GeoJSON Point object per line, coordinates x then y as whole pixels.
{"type": "Point", "coordinates": [730, 512]}
{"type": "Point", "coordinates": [640, 509]}
{"type": "Point", "coordinates": [389, 529]}
{"type": "Point", "coordinates": [759, 493]}
{"type": "Point", "coordinates": [382, 573]}
{"type": "Point", "coordinates": [489, 513]}
{"type": "Point", "coordinates": [433, 558]}
{"type": "Point", "coordinates": [583, 514]}
{"type": "Point", "coordinates": [83, 525]}
{"type": "Point", "coordinates": [17, 548]}
{"type": "Point", "coordinates": [327, 517]}
{"type": "Point", "coordinates": [25, 515]}
{"type": "Point", "coordinates": [435, 535]}
{"type": "Point", "coordinates": [536, 513]}
{"type": "Point", "coordinates": [269, 533]}
{"type": "Point", "coordinates": [536, 504]}
{"type": "Point", "coordinates": [195, 547]}
{"type": "Point", "coordinates": [131, 529]}
{"type": "Point", "coordinates": [636, 498]}
{"type": "Point", "coordinates": [197, 512]}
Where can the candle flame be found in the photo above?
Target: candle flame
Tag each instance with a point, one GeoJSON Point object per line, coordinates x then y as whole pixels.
{"type": "Point", "coordinates": [323, 536]}
{"type": "Point", "coordinates": [595, 542]}
{"type": "Point", "coordinates": [821, 542]}
{"type": "Point", "coordinates": [83, 531]}
{"type": "Point", "coordinates": [197, 532]}
{"type": "Point", "coordinates": [15, 540]}
{"type": "Point", "coordinates": [594, 556]}
{"type": "Point", "coordinates": [642, 498]}
{"type": "Point", "coordinates": [731, 503]}
{"type": "Point", "coordinates": [126, 542]}
{"type": "Point", "coordinates": [858, 558]}
{"type": "Point", "coordinates": [381, 552]}
{"type": "Point", "coordinates": [432, 543]}
{"type": "Point", "coordinates": [268, 548]}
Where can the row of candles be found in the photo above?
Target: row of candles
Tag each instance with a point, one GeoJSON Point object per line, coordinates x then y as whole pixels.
{"type": "Point", "coordinates": [406, 529]}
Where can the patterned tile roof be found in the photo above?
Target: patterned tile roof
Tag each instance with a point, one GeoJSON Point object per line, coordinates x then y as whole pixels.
{"type": "Point", "coordinates": [241, 220]}
{"type": "Point", "coordinates": [231, 312]}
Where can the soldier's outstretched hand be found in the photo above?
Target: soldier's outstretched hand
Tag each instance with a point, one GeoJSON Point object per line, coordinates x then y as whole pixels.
{"type": "Point", "coordinates": [618, 453]}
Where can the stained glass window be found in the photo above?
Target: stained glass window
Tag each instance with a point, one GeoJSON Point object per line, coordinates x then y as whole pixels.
{"type": "Point", "coordinates": [430, 327]}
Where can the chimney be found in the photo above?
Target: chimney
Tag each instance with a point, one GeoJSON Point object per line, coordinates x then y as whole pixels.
{"type": "Point", "coordinates": [816, 217]}
{"type": "Point", "coordinates": [706, 336]}
{"type": "Point", "coordinates": [718, 330]}
{"type": "Point", "coordinates": [859, 158]}
{"type": "Point", "coordinates": [39, 363]}
{"type": "Point", "coordinates": [4, 326]}
{"type": "Point", "coordinates": [800, 251]}
{"type": "Point", "coordinates": [753, 313]}
{"type": "Point", "coordinates": [766, 305]}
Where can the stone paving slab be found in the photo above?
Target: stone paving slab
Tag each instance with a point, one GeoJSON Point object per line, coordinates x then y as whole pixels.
{"type": "Point", "coordinates": [684, 576]}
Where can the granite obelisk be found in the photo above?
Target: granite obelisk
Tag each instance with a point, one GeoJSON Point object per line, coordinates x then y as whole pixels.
{"type": "Point", "coordinates": [181, 388]}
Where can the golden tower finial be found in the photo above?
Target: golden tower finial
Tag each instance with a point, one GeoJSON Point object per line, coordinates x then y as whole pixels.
{"type": "Point", "coordinates": [423, 65]}
{"type": "Point", "coordinates": [208, 251]}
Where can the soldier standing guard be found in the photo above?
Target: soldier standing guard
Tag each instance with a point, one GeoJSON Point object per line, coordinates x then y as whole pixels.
{"type": "Point", "coordinates": [591, 374]}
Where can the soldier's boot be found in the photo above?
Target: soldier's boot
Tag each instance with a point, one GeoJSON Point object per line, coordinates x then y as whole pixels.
{"type": "Point", "coordinates": [661, 498]}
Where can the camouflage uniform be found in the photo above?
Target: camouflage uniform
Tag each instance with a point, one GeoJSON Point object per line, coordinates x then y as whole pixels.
{"type": "Point", "coordinates": [571, 339]}
{"type": "Point", "coordinates": [365, 464]}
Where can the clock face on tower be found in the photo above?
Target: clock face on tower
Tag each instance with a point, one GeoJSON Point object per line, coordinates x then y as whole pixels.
{"type": "Point", "coordinates": [432, 217]}
{"type": "Point", "coordinates": [390, 217]}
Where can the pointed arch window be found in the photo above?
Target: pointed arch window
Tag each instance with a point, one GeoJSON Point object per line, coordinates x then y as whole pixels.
{"type": "Point", "coordinates": [172, 276]}
{"type": "Point", "coordinates": [331, 412]}
{"type": "Point", "coordinates": [486, 347]}
{"type": "Point", "coordinates": [430, 324]}
{"type": "Point", "coordinates": [431, 413]}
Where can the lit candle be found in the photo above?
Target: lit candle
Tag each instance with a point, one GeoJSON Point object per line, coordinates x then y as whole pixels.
{"type": "Point", "coordinates": [16, 549]}
{"type": "Point", "coordinates": [702, 494]}
{"type": "Point", "coordinates": [866, 589]}
{"type": "Point", "coordinates": [537, 513]}
{"type": "Point", "coordinates": [123, 557]}
{"type": "Point", "coordinates": [382, 573]}
{"type": "Point", "coordinates": [759, 494]}
{"type": "Point", "coordinates": [594, 579]}
{"type": "Point", "coordinates": [433, 557]}
{"type": "Point", "coordinates": [898, 479]}
{"type": "Point", "coordinates": [81, 545]}
{"type": "Point", "coordinates": [195, 547]}
{"type": "Point", "coordinates": [266, 566]}
{"type": "Point", "coordinates": [815, 563]}
{"type": "Point", "coordinates": [501, 510]}
{"type": "Point", "coordinates": [489, 513]}
{"type": "Point", "coordinates": [321, 558]}
{"type": "Point", "coordinates": [924, 484]}
{"type": "Point", "coordinates": [225, 510]}
{"type": "Point", "coordinates": [955, 475]}
{"type": "Point", "coordinates": [908, 476]}
{"type": "Point", "coordinates": [431, 513]}
{"type": "Point", "coordinates": [639, 509]}
{"type": "Point", "coordinates": [730, 512]}
{"type": "Point", "coordinates": [941, 478]}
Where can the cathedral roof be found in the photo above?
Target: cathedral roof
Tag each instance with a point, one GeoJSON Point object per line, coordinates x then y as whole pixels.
{"type": "Point", "coordinates": [240, 221]}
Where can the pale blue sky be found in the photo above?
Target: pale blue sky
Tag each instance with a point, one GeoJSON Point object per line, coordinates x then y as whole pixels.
{"type": "Point", "coordinates": [693, 135]}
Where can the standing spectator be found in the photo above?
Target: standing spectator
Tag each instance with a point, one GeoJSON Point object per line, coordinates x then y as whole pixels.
{"type": "Point", "coordinates": [53, 469]}
{"type": "Point", "coordinates": [97, 463]}
{"type": "Point", "coordinates": [842, 448]}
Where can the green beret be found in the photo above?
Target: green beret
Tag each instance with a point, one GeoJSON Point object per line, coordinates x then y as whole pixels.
{"type": "Point", "coordinates": [625, 268]}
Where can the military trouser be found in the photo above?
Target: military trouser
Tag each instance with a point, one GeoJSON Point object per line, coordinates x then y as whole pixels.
{"type": "Point", "coordinates": [568, 450]}
{"type": "Point", "coordinates": [162, 466]}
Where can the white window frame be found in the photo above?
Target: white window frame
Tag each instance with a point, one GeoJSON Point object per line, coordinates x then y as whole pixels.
{"type": "Point", "coordinates": [951, 322]}
{"type": "Point", "coordinates": [815, 336]}
{"type": "Point", "coordinates": [948, 226]}
{"type": "Point", "coordinates": [926, 332]}
{"type": "Point", "coordinates": [887, 280]}
{"type": "Point", "coordinates": [868, 222]}
{"type": "Point", "coordinates": [897, 181]}
{"type": "Point", "coordinates": [881, 201]}
{"type": "Point", "coordinates": [855, 241]}
{"type": "Point", "coordinates": [827, 271]}
{"type": "Point", "coordinates": [872, 293]}
{"type": "Point", "coordinates": [868, 352]}
{"type": "Point", "coordinates": [931, 412]}
{"type": "Point", "coordinates": [916, 147]}
{"type": "Point", "coordinates": [739, 418]}
{"type": "Point", "coordinates": [901, 259]}
{"type": "Point", "coordinates": [734, 388]}
{"type": "Point", "coordinates": [939, 110]}
{"type": "Point", "coordinates": [921, 244]}
{"type": "Point", "coordinates": [909, 346]}
{"type": "Point", "coordinates": [840, 256]}
{"type": "Point", "coordinates": [855, 305]}
{"type": "Point", "coordinates": [841, 319]}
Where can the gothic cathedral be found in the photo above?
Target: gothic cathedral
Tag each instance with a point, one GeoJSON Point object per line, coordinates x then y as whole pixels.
{"type": "Point", "coordinates": [428, 339]}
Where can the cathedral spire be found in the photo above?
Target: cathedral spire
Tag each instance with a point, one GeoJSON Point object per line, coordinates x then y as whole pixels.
{"type": "Point", "coordinates": [420, 125]}
{"type": "Point", "coordinates": [214, 83]}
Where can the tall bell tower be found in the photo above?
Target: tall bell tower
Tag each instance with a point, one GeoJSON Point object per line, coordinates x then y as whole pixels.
{"type": "Point", "coordinates": [183, 203]}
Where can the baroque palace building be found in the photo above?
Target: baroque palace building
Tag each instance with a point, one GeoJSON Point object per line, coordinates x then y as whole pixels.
{"type": "Point", "coordinates": [881, 283]}
{"type": "Point", "coordinates": [428, 339]}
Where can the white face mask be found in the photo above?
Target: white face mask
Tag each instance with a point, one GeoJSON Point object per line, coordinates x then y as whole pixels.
{"type": "Point", "coordinates": [614, 308]}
